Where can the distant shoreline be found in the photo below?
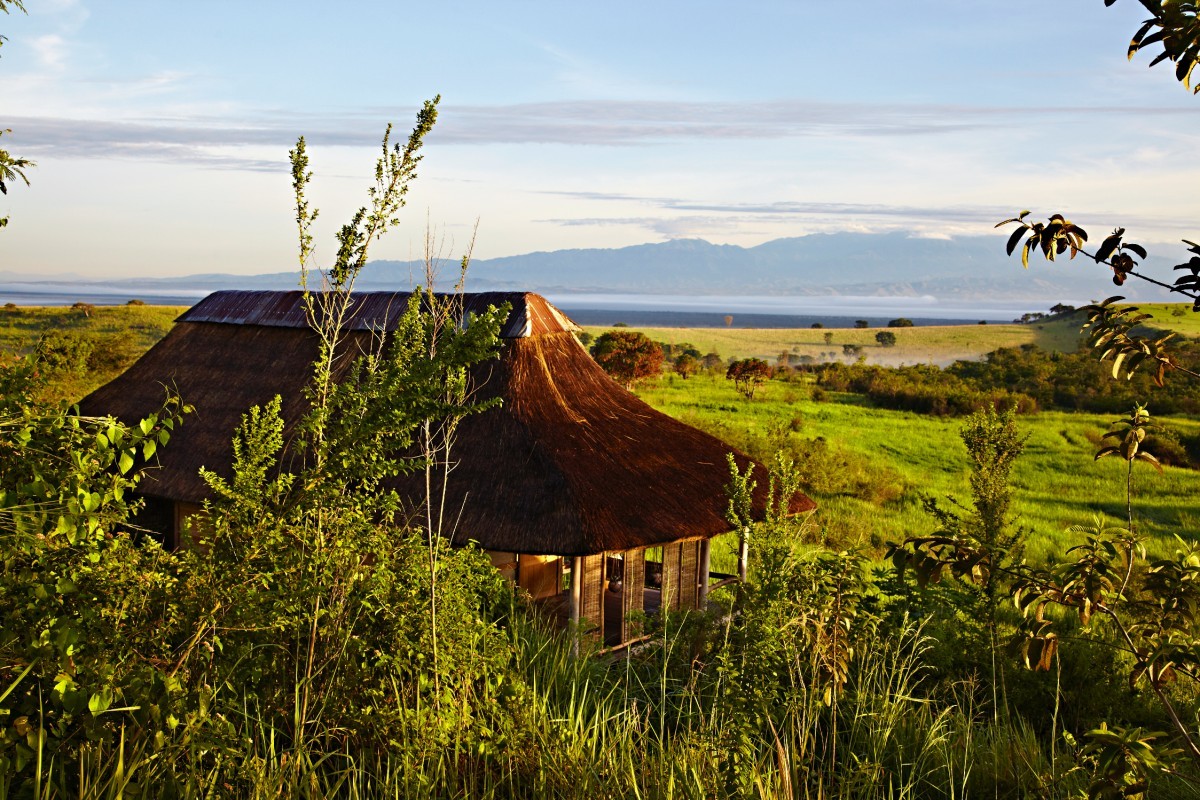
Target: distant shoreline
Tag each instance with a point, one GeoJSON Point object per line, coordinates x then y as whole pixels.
{"type": "Point", "coordinates": [674, 311]}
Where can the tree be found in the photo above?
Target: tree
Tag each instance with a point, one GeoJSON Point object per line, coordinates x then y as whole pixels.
{"type": "Point", "coordinates": [828, 337]}
{"type": "Point", "coordinates": [862, 323]}
{"type": "Point", "coordinates": [748, 374]}
{"type": "Point", "coordinates": [686, 365]}
{"type": "Point", "coordinates": [817, 325]}
{"type": "Point", "coordinates": [886, 338]}
{"type": "Point", "coordinates": [711, 361]}
{"type": "Point", "coordinates": [628, 356]}
{"type": "Point", "coordinates": [900, 322]}
{"type": "Point", "coordinates": [852, 350]}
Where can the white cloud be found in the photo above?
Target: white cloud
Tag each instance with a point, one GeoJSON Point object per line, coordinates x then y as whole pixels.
{"type": "Point", "coordinates": [51, 50]}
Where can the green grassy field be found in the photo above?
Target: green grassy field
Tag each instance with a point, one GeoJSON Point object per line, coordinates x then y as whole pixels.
{"type": "Point", "coordinates": [937, 344]}
{"type": "Point", "coordinates": [1177, 317]}
{"type": "Point", "coordinates": [120, 334]}
{"type": "Point", "coordinates": [879, 463]}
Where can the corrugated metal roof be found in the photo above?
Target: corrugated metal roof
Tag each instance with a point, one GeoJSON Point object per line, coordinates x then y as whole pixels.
{"type": "Point", "coordinates": [374, 311]}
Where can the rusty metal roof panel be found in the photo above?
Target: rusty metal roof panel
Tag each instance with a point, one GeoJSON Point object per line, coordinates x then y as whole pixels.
{"type": "Point", "coordinates": [374, 311]}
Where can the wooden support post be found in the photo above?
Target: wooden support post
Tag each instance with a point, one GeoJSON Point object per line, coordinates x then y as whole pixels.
{"type": "Point", "coordinates": [576, 591]}
{"type": "Point", "coordinates": [705, 563]}
{"type": "Point", "coordinates": [744, 555]}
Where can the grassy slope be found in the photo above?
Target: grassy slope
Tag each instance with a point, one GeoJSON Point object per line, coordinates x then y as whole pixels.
{"type": "Point", "coordinates": [131, 329]}
{"type": "Point", "coordinates": [1057, 482]}
{"type": "Point", "coordinates": [938, 344]}
{"type": "Point", "coordinates": [1177, 317]}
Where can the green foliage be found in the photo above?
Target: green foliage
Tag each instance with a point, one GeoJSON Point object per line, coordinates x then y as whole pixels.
{"type": "Point", "coordinates": [628, 356]}
{"type": "Point", "coordinates": [886, 338]}
{"type": "Point", "coordinates": [1130, 434]}
{"type": "Point", "coordinates": [83, 605]}
{"type": "Point", "coordinates": [64, 351]}
{"type": "Point", "coordinates": [304, 606]}
{"type": "Point", "coordinates": [900, 322]}
{"type": "Point", "coordinates": [921, 388]}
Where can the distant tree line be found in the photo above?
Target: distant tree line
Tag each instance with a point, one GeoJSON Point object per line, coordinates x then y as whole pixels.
{"type": "Point", "coordinates": [1026, 378]}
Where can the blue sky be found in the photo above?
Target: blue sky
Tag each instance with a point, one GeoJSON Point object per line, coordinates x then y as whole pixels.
{"type": "Point", "coordinates": [161, 129]}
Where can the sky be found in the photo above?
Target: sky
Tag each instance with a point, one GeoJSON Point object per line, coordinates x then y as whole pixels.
{"type": "Point", "coordinates": [161, 129]}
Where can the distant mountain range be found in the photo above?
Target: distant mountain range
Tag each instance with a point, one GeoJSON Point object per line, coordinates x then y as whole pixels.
{"type": "Point", "coordinates": [963, 269]}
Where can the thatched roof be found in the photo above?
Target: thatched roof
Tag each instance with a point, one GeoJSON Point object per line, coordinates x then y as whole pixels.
{"type": "Point", "coordinates": [570, 463]}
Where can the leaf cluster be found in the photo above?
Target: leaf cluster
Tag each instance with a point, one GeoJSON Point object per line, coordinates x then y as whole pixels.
{"type": "Point", "coordinates": [1173, 25]}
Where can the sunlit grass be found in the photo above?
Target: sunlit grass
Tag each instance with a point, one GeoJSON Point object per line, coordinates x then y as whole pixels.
{"type": "Point", "coordinates": [937, 344]}
{"type": "Point", "coordinates": [1056, 482]}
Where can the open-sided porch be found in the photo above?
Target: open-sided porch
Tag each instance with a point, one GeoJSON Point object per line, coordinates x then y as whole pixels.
{"type": "Point", "coordinates": [607, 595]}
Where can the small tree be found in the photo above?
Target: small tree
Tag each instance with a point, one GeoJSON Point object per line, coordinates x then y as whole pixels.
{"type": "Point", "coordinates": [627, 356]}
{"type": "Point", "coordinates": [886, 339]}
{"type": "Point", "coordinates": [585, 338]}
{"type": "Point", "coordinates": [135, 302]}
{"type": "Point", "coordinates": [862, 323]}
{"type": "Point", "coordinates": [828, 337]}
{"type": "Point", "coordinates": [748, 374]}
{"type": "Point", "coordinates": [712, 361]}
{"type": "Point", "coordinates": [817, 325]}
{"type": "Point", "coordinates": [686, 365]}
{"type": "Point", "coordinates": [900, 322]}
{"type": "Point", "coordinates": [852, 350]}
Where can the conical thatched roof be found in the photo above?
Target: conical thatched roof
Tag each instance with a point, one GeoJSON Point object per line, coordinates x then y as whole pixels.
{"type": "Point", "coordinates": [570, 463]}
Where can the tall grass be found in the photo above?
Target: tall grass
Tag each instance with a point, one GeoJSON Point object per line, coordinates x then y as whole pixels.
{"type": "Point", "coordinates": [602, 727]}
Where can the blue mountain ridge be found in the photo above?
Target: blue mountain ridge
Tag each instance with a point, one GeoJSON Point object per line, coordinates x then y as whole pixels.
{"type": "Point", "coordinates": [851, 264]}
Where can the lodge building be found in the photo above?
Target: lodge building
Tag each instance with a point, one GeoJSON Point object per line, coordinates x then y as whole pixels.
{"type": "Point", "coordinates": [582, 494]}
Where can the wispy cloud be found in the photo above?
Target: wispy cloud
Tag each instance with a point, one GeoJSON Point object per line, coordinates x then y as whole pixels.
{"type": "Point", "coordinates": [51, 50]}
{"type": "Point", "coordinates": [676, 217]}
{"type": "Point", "coordinates": [583, 123]}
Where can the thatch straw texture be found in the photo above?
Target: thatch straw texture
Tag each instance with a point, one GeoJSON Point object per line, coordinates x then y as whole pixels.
{"type": "Point", "coordinates": [570, 464]}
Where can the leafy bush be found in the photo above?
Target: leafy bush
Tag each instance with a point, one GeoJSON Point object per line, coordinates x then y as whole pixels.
{"type": "Point", "coordinates": [64, 351]}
